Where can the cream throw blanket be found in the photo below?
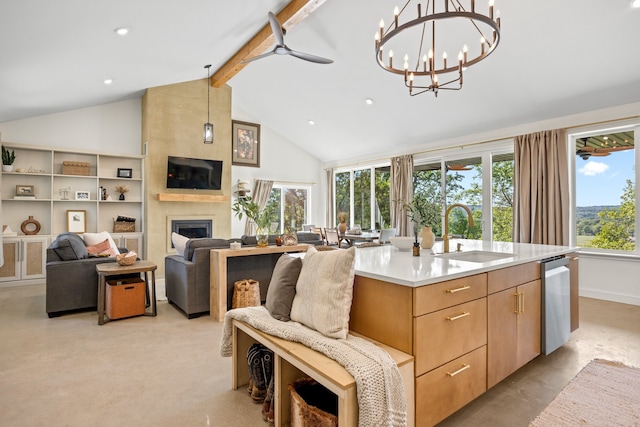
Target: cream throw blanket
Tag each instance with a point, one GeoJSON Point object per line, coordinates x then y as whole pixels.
{"type": "Point", "coordinates": [380, 391]}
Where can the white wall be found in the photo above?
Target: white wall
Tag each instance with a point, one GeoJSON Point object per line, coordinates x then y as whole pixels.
{"type": "Point", "coordinates": [111, 128]}
{"type": "Point", "coordinates": [610, 278]}
{"type": "Point", "coordinates": [280, 161]}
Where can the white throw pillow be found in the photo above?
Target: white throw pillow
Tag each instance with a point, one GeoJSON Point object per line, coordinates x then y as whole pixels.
{"type": "Point", "coordinates": [91, 239]}
{"type": "Point", "coordinates": [324, 291]}
{"type": "Point", "coordinates": [179, 242]}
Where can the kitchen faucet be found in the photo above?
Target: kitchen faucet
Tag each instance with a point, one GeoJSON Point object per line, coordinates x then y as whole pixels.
{"type": "Point", "coordinates": [445, 235]}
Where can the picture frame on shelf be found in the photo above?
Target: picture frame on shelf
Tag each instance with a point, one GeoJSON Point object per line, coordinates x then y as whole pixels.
{"type": "Point", "coordinates": [125, 173]}
{"type": "Point", "coordinates": [25, 190]}
{"type": "Point", "coordinates": [245, 144]}
{"type": "Point", "coordinates": [76, 221]}
{"type": "Point", "coordinates": [82, 195]}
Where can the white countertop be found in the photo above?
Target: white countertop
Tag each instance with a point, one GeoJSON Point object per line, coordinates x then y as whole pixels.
{"type": "Point", "coordinates": [391, 265]}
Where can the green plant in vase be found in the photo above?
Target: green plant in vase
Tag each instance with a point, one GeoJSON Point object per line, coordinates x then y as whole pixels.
{"type": "Point", "coordinates": [245, 206]}
{"type": "Point", "coordinates": [424, 214]}
{"type": "Point", "coordinates": [8, 157]}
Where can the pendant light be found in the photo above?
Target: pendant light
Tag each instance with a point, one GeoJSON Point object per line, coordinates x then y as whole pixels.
{"type": "Point", "coordinates": [208, 127]}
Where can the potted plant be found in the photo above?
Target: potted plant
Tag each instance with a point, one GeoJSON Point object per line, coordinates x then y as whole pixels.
{"type": "Point", "coordinates": [121, 189]}
{"type": "Point", "coordinates": [423, 214]}
{"type": "Point", "coordinates": [7, 159]}
{"type": "Point", "coordinates": [245, 206]}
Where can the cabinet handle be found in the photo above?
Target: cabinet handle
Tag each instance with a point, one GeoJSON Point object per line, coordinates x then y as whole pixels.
{"type": "Point", "coordinates": [522, 302]}
{"type": "Point", "coordinates": [453, 291]}
{"type": "Point", "coordinates": [517, 303]}
{"type": "Point", "coordinates": [459, 316]}
{"type": "Point", "coordinates": [464, 368]}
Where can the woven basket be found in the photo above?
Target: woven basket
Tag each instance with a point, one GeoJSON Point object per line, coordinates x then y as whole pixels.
{"type": "Point", "coordinates": [246, 293]}
{"type": "Point", "coordinates": [124, 227]}
{"type": "Point", "coordinates": [75, 168]}
{"type": "Point", "coordinates": [126, 259]}
{"type": "Point", "coordinates": [312, 404]}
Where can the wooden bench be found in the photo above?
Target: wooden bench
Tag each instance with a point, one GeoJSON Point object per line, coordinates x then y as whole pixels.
{"type": "Point", "coordinates": [294, 360]}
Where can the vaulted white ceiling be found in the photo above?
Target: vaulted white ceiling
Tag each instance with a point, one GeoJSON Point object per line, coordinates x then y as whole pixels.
{"type": "Point", "coordinates": [554, 59]}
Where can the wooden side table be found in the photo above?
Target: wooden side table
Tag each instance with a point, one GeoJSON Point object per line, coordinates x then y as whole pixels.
{"type": "Point", "coordinates": [114, 269]}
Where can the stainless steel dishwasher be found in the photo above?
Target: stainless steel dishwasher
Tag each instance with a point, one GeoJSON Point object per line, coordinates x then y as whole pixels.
{"type": "Point", "coordinates": [556, 304]}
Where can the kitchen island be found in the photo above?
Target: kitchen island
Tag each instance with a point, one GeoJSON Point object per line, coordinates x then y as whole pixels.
{"type": "Point", "coordinates": [469, 318]}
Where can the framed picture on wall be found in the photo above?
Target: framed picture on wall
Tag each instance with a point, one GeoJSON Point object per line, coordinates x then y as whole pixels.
{"type": "Point", "coordinates": [76, 221]}
{"type": "Point", "coordinates": [245, 144]}
{"type": "Point", "coordinates": [125, 173]}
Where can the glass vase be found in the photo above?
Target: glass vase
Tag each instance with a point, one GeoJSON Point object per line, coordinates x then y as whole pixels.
{"type": "Point", "coordinates": [262, 236]}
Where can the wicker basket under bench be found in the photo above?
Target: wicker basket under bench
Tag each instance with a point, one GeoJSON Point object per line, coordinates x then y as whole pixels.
{"type": "Point", "coordinates": [294, 360]}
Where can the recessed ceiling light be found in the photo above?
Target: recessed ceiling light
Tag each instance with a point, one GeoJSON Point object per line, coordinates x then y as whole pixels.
{"type": "Point", "coordinates": [635, 3]}
{"type": "Point", "coordinates": [369, 101]}
{"type": "Point", "coordinates": [122, 31]}
{"type": "Point", "coordinates": [108, 81]}
{"type": "Point", "coordinates": [311, 122]}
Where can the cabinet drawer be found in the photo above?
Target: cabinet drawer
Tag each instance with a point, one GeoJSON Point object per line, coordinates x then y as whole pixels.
{"type": "Point", "coordinates": [435, 297]}
{"type": "Point", "coordinates": [505, 278]}
{"type": "Point", "coordinates": [443, 391]}
{"type": "Point", "coordinates": [446, 334]}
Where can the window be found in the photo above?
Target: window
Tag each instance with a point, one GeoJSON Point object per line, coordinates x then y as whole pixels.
{"type": "Point", "coordinates": [343, 193]}
{"type": "Point", "coordinates": [362, 198]}
{"type": "Point", "coordinates": [605, 198]}
{"type": "Point", "coordinates": [382, 188]}
{"type": "Point", "coordinates": [464, 186]}
{"type": "Point", "coordinates": [502, 170]}
{"type": "Point", "coordinates": [291, 207]}
{"type": "Point", "coordinates": [427, 185]}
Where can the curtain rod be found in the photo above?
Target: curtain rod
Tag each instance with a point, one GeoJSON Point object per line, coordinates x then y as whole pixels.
{"type": "Point", "coordinates": [435, 150]}
{"type": "Point", "coordinates": [277, 181]}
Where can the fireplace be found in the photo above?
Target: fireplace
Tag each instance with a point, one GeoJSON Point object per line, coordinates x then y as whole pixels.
{"type": "Point", "coordinates": [192, 228]}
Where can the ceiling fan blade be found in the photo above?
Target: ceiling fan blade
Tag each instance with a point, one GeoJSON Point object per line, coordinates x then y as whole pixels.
{"type": "Point", "coordinates": [600, 154]}
{"type": "Point", "coordinates": [276, 28]}
{"type": "Point", "coordinates": [310, 58]}
{"type": "Point", "coordinates": [264, 55]}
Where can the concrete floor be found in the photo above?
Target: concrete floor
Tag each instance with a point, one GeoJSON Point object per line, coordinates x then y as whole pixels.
{"type": "Point", "coordinates": [166, 371]}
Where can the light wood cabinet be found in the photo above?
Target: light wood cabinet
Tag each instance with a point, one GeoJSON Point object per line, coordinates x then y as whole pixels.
{"type": "Point", "coordinates": [448, 388]}
{"type": "Point", "coordinates": [24, 258]}
{"type": "Point", "coordinates": [513, 323]}
{"type": "Point", "coordinates": [444, 326]}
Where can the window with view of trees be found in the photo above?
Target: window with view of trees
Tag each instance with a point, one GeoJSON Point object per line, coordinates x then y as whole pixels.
{"type": "Point", "coordinates": [362, 198]}
{"type": "Point", "coordinates": [343, 193]}
{"type": "Point", "coordinates": [464, 185]}
{"type": "Point", "coordinates": [502, 194]}
{"type": "Point", "coordinates": [290, 206]}
{"type": "Point", "coordinates": [605, 191]}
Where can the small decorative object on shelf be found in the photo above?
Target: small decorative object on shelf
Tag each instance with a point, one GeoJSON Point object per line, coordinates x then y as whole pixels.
{"type": "Point", "coordinates": [7, 231]}
{"type": "Point", "coordinates": [290, 239]}
{"type": "Point", "coordinates": [82, 195]}
{"type": "Point", "coordinates": [125, 173]}
{"type": "Point", "coordinates": [242, 188]}
{"type": "Point", "coordinates": [27, 224]}
{"type": "Point", "coordinates": [121, 189]}
{"type": "Point", "coordinates": [64, 193]}
{"type": "Point", "coordinates": [25, 192]}
{"type": "Point", "coordinates": [8, 157]}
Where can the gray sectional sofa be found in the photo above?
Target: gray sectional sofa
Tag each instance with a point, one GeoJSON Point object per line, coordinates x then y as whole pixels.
{"type": "Point", "coordinates": [187, 276]}
{"type": "Point", "coordinates": [72, 280]}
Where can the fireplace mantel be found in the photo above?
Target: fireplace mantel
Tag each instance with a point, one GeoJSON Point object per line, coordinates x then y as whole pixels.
{"type": "Point", "coordinates": [188, 197]}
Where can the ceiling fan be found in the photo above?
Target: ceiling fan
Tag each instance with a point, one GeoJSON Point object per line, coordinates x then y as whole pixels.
{"type": "Point", "coordinates": [585, 152]}
{"type": "Point", "coordinates": [459, 168]}
{"type": "Point", "coordinates": [282, 49]}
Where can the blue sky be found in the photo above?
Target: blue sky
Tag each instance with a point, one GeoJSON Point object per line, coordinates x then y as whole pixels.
{"type": "Point", "coordinates": [601, 180]}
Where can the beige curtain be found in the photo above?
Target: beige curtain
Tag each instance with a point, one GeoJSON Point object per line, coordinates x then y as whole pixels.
{"type": "Point", "coordinates": [261, 193]}
{"type": "Point", "coordinates": [541, 188]}
{"type": "Point", "coordinates": [330, 220]}
{"type": "Point", "coordinates": [401, 191]}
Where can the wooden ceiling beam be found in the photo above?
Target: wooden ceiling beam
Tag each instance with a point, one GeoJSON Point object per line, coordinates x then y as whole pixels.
{"type": "Point", "coordinates": [292, 14]}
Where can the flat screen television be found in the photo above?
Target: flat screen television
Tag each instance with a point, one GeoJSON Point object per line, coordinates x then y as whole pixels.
{"type": "Point", "coordinates": [194, 174]}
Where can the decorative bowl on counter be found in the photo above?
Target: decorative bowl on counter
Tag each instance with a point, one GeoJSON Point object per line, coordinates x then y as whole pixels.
{"type": "Point", "coordinates": [403, 243]}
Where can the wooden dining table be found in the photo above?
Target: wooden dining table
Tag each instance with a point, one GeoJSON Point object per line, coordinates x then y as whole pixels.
{"type": "Point", "coordinates": [365, 236]}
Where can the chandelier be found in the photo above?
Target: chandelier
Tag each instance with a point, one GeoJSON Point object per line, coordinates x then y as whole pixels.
{"type": "Point", "coordinates": [451, 27]}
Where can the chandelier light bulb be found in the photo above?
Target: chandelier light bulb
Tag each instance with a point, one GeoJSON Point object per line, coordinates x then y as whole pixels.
{"type": "Point", "coordinates": [382, 24]}
{"type": "Point", "coordinates": [430, 53]}
{"type": "Point", "coordinates": [396, 11]}
{"type": "Point", "coordinates": [377, 37]}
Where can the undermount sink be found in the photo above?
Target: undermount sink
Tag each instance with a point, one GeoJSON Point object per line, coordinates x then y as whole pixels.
{"type": "Point", "coordinates": [476, 256]}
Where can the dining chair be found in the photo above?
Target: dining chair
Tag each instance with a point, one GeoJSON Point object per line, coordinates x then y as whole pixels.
{"type": "Point", "coordinates": [332, 237]}
{"type": "Point", "coordinates": [385, 233]}
{"type": "Point", "coordinates": [320, 231]}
